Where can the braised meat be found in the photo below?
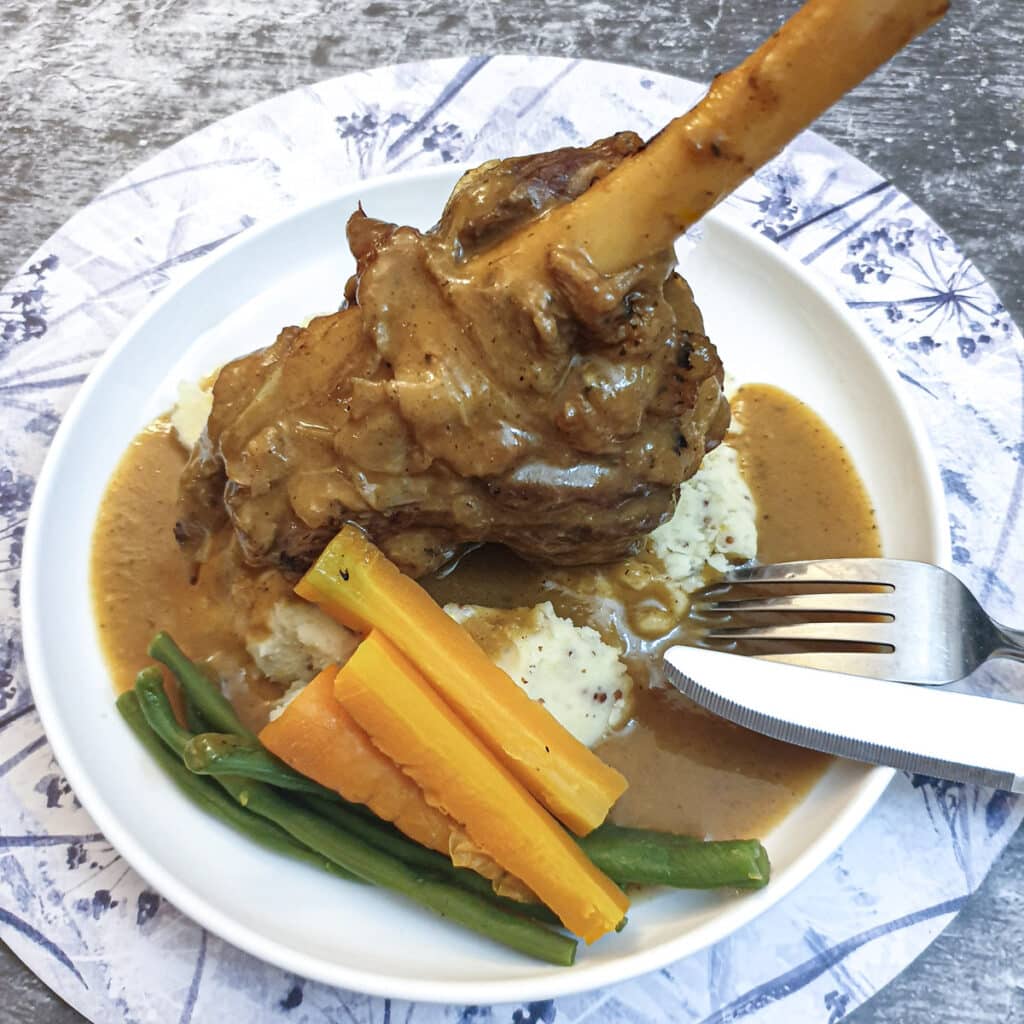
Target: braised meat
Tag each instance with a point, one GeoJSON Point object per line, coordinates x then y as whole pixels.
{"type": "Point", "coordinates": [446, 405]}
{"type": "Point", "coordinates": [531, 370]}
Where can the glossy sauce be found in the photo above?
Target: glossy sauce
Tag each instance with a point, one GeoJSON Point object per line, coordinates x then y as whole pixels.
{"type": "Point", "coordinates": [811, 503]}
{"type": "Point", "coordinates": [688, 772]}
{"type": "Point", "coordinates": [141, 582]}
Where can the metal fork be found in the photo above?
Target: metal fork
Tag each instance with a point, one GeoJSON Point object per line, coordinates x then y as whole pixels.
{"type": "Point", "coordinates": [922, 626]}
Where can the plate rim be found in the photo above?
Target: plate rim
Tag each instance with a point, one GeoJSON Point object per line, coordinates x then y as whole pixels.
{"type": "Point", "coordinates": [551, 983]}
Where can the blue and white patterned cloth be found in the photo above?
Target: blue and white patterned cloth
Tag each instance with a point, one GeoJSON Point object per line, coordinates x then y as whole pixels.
{"type": "Point", "coordinates": [90, 927]}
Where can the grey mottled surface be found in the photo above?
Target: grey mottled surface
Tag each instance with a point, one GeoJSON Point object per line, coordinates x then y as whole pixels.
{"type": "Point", "coordinates": [89, 87]}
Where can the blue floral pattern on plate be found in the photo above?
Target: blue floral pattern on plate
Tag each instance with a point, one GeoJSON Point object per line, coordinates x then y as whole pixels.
{"type": "Point", "coordinates": [93, 930]}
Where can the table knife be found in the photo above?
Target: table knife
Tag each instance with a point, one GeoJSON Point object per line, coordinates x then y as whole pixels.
{"type": "Point", "coordinates": [926, 730]}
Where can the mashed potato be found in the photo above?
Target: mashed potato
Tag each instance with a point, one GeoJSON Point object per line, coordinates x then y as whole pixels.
{"type": "Point", "coordinates": [714, 524]}
{"type": "Point", "coordinates": [189, 415]}
{"type": "Point", "coordinates": [567, 668]}
{"type": "Point", "coordinates": [299, 640]}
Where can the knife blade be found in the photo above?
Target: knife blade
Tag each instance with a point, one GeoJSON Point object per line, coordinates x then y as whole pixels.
{"type": "Point", "coordinates": [955, 736]}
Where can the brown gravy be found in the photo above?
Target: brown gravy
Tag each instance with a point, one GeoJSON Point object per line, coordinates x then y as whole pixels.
{"type": "Point", "coordinates": [140, 581]}
{"type": "Point", "coordinates": [811, 503]}
{"type": "Point", "coordinates": [688, 772]}
{"type": "Point", "coordinates": [141, 584]}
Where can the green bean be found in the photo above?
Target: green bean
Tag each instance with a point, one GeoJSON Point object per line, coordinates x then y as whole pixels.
{"type": "Point", "coordinates": [159, 714]}
{"type": "Point", "coordinates": [477, 912]}
{"type": "Point", "coordinates": [194, 720]}
{"type": "Point", "coordinates": [387, 838]}
{"type": "Point", "coordinates": [210, 797]}
{"type": "Point", "coordinates": [373, 865]}
{"type": "Point", "coordinates": [207, 698]}
{"type": "Point", "coordinates": [217, 754]}
{"type": "Point", "coordinates": [633, 856]}
{"type": "Point", "coordinates": [149, 688]}
{"type": "Point", "coordinates": [221, 755]}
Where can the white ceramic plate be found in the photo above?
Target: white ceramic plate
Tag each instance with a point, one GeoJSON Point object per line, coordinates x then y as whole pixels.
{"type": "Point", "coordinates": [772, 320]}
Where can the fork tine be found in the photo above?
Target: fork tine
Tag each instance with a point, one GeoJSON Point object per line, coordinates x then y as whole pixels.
{"type": "Point", "coordinates": [873, 571]}
{"type": "Point", "coordinates": [837, 632]}
{"type": "Point", "coordinates": [867, 604]}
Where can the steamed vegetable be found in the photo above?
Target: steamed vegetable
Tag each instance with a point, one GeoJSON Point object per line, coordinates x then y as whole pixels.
{"type": "Point", "coordinates": [194, 720]}
{"type": "Point", "coordinates": [207, 700]}
{"type": "Point", "coordinates": [390, 840]}
{"type": "Point", "coordinates": [259, 811]}
{"type": "Point", "coordinates": [409, 722]}
{"type": "Point", "coordinates": [224, 756]}
{"type": "Point", "coordinates": [358, 586]}
{"type": "Point", "coordinates": [318, 738]}
{"type": "Point", "coordinates": [148, 703]}
{"type": "Point", "coordinates": [354, 818]}
{"type": "Point", "coordinates": [315, 716]}
{"type": "Point", "coordinates": [332, 835]}
{"type": "Point", "coordinates": [155, 706]}
{"type": "Point", "coordinates": [640, 857]}
{"type": "Point", "coordinates": [218, 754]}
{"type": "Point", "coordinates": [373, 865]}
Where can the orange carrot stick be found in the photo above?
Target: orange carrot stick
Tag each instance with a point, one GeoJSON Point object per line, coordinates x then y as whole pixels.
{"type": "Point", "coordinates": [358, 586]}
{"type": "Point", "coordinates": [316, 737]}
{"type": "Point", "coordinates": [410, 722]}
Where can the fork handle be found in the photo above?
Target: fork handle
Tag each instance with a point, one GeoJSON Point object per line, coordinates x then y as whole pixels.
{"type": "Point", "coordinates": [1009, 643]}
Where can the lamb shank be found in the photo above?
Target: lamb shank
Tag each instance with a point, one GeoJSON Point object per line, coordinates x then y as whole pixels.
{"type": "Point", "coordinates": [532, 370]}
{"type": "Point", "coordinates": [445, 405]}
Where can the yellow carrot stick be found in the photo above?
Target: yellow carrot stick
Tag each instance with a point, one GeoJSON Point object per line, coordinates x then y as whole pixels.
{"type": "Point", "coordinates": [358, 586]}
{"type": "Point", "coordinates": [411, 723]}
